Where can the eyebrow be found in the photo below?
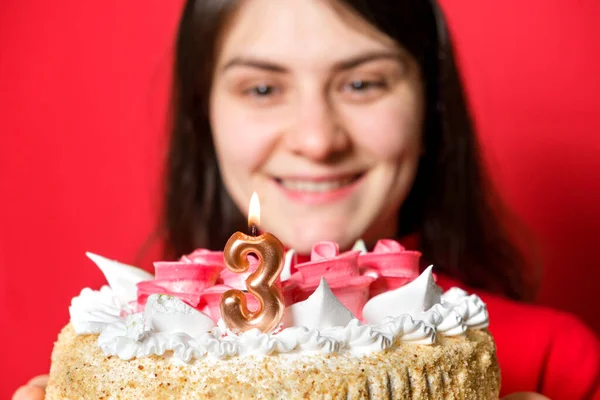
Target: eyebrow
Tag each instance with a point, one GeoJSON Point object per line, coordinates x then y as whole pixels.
{"type": "Point", "coordinates": [343, 65]}
{"type": "Point", "coordinates": [367, 57]}
{"type": "Point", "coordinates": [253, 63]}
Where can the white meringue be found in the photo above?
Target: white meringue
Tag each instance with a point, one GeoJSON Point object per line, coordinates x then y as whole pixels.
{"type": "Point", "coordinates": [168, 314]}
{"type": "Point", "coordinates": [320, 311]}
{"type": "Point", "coordinates": [121, 278]}
{"type": "Point", "coordinates": [413, 299]}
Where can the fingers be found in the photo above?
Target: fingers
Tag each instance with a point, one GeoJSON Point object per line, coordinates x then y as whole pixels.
{"type": "Point", "coordinates": [40, 380]}
{"type": "Point", "coordinates": [28, 392]}
{"type": "Point", "coordinates": [34, 390]}
{"type": "Point", "coordinates": [525, 396]}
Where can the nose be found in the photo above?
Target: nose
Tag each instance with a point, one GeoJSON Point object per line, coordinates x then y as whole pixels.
{"type": "Point", "coordinates": [317, 133]}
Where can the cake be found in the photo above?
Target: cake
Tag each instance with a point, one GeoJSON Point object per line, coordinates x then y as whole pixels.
{"type": "Point", "coordinates": [357, 325]}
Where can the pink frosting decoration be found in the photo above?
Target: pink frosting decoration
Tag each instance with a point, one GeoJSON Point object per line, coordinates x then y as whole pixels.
{"type": "Point", "coordinates": [211, 301]}
{"type": "Point", "coordinates": [324, 251]}
{"type": "Point", "coordinates": [185, 279]}
{"type": "Point", "coordinates": [327, 261]}
{"type": "Point", "coordinates": [238, 281]}
{"type": "Point", "coordinates": [200, 278]}
{"type": "Point", "coordinates": [391, 264]}
{"type": "Point", "coordinates": [205, 257]}
{"type": "Point", "coordinates": [235, 281]}
{"type": "Point", "coordinates": [172, 288]}
{"type": "Point", "coordinates": [177, 270]}
{"type": "Point", "coordinates": [390, 258]}
{"type": "Point", "coordinates": [339, 270]}
{"type": "Point", "coordinates": [289, 289]}
{"type": "Point", "coordinates": [388, 246]}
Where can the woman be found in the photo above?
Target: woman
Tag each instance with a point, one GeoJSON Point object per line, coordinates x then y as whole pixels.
{"type": "Point", "coordinates": [348, 117]}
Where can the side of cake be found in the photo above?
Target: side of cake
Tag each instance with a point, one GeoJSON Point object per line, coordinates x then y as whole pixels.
{"type": "Point", "coordinates": [461, 367]}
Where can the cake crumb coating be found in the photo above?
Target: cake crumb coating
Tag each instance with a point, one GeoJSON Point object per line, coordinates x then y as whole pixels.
{"type": "Point", "coordinates": [463, 367]}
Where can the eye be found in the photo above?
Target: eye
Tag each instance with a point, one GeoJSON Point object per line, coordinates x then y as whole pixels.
{"type": "Point", "coordinates": [364, 90]}
{"type": "Point", "coordinates": [261, 90]}
{"type": "Point", "coordinates": [364, 85]}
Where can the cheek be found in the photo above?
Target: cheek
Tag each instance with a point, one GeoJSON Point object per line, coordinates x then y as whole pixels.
{"type": "Point", "coordinates": [242, 142]}
{"type": "Point", "coordinates": [390, 129]}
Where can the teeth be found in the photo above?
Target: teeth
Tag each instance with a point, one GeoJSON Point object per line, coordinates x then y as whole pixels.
{"type": "Point", "coordinates": [311, 186]}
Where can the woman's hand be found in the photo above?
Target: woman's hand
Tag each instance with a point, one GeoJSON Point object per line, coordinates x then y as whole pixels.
{"type": "Point", "coordinates": [525, 396]}
{"type": "Point", "coordinates": [34, 390]}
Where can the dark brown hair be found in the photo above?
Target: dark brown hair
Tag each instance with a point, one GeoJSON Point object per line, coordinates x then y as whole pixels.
{"type": "Point", "coordinates": [451, 205]}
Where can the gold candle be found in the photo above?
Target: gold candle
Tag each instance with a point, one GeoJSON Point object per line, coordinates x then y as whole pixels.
{"type": "Point", "coordinates": [261, 283]}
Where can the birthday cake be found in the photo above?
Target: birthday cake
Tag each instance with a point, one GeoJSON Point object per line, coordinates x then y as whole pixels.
{"type": "Point", "coordinates": [356, 325]}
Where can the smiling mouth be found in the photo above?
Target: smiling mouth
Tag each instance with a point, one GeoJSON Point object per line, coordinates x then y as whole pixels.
{"type": "Point", "coordinates": [317, 185]}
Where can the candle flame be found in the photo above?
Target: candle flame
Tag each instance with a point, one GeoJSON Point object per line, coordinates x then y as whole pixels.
{"type": "Point", "coordinates": [254, 211]}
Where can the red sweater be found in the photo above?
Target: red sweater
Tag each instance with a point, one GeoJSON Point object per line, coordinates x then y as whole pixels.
{"type": "Point", "coordinates": [540, 349]}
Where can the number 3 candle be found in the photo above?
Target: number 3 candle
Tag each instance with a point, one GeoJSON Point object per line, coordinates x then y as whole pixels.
{"type": "Point", "coordinates": [261, 283]}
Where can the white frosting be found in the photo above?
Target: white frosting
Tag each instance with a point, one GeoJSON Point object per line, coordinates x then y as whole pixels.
{"type": "Point", "coordinates": [122, 278]}
{"type": "Point", "coordinates": [168, 314]}
{"type": "Point", "coordinates": [447, 319]}
{"type": "Point", "coordinates": [451, 313]}
{"type": "Point", "coordinates": [354, 338]}
{"type": "Point", "coordinates": [360, 245]}
{"type": "Point", "coordinates": [413, 299]}
{"type": "Point", "coordinates": [286, 273]}
{"type": "Point", "coordinates": [93, 310]}
{"type": "Point", "coordinates": [413, 313]}
{"type": "Point", "coordinates": [471, 308]}
{"type": "Point", "coordinates": [321, 310]}
{"type": "Point", "coordinates": [136, 326]}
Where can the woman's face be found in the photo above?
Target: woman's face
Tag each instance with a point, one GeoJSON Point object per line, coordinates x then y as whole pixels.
{"type": "Point", "coordinates": [321, 115]}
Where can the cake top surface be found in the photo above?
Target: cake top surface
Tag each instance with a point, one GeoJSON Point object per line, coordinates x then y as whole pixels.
{"type": "Point", "coordinates": [353, 303]}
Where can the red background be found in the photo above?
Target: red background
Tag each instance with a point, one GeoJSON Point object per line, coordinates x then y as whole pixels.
{"type": "Point", "coordinates": [83, 94]}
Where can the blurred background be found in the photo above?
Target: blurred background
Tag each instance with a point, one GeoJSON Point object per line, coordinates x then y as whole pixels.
{"type": "Point", "coordinates": [84, 89]}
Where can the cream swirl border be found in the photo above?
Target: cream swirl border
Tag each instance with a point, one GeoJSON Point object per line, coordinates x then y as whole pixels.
{"type": "Point", "coordinates": [122, 334]}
